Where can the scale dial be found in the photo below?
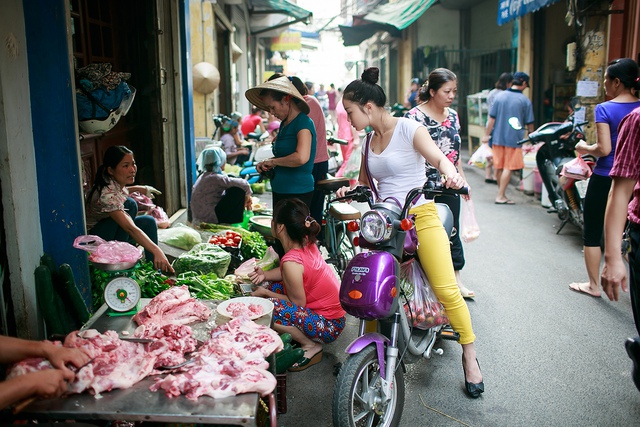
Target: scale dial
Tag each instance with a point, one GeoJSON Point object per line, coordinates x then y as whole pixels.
{"type": "Point", "coordinates": [122, 294]}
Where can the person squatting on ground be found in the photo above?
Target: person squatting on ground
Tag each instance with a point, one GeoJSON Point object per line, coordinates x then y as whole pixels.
{"type": "Point", "coordinates": [215, 197]}
{"type": "Point", "coordinates": [504, 81]}
{"type": "Point", "coordinates": [433, 111]}
{"type": "Point", "coordinates": [625, 186]}
{"type": "Point", "coordinates": [620, 84]}
{"type": "Point", "coordinates": [396, 155]}
{"type": "Point", "coordinates": [304, 289]}
{"type": "Point", "coordinates": [113, 215]}
{"type": "Point", "coordinates": [510, 113]}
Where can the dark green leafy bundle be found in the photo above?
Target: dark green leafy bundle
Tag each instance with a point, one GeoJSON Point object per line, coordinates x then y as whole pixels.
{"type": "Point", "coordinates": [206, 286]}
{"type": "Point", "coordinates": [150, 280]}
{"type": "Point", "coordinates": [253, 243]}
{"type": "Point", "coordinates": [204, 258]}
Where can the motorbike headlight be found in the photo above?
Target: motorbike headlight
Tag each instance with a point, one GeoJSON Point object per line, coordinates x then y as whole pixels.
{"type": "Point", "coordinates": [376, 226]}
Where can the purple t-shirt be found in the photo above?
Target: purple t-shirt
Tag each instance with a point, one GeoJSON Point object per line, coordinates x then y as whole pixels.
{"type": "Point", "coordinates": [611, 113]}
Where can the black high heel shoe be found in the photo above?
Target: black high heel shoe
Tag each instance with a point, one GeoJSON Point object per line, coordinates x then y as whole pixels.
{"type": "Point", "coordinates": [474, 390]}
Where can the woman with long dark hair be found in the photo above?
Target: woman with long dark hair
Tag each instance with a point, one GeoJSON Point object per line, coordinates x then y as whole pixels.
{"type": "Point", "coordinates": [113, 215]}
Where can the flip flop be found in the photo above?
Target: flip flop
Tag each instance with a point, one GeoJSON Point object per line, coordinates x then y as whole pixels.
{"type": "Point", "coordinates": [506, 202]}
{"type": "Point", "coordinates": [468, 294]}
{"type": "Point", "coordinates": [305, 362]}
{"type": "Point", "coordinates": [579, 290]}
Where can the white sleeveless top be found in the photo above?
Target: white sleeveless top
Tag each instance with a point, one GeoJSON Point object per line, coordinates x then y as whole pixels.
{"type": "Point", "coordinates": [399, 168]}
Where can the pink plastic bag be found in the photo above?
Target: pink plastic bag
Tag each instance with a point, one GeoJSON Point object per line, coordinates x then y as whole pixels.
{"type": "Point", "coordinates": [468, 223]}
{"type": "Point", "coordinates": [161, 217]}
{"type": "Point", "coordinates": [576, 169]}
{"type": "Point", "coordinates": [423, 310]}
{"type": "Point", "coordinates": [112, 252]}
{"type": "Point", "coordinates": [144, 203]}
{"type": "Point", "coordinates": [88, 242]}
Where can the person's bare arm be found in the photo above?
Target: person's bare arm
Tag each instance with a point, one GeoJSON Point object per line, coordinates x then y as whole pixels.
{"type": "Point", "coordinates": [126, 223]}
{"type": "Point", "coordinates": [298, 157]}
{"type": "Point", "coordinates": [488, 129]}
{"type": "Point", "coordinates": [602, 147]}
{"type": "Point", "coordinates": [614, 272]}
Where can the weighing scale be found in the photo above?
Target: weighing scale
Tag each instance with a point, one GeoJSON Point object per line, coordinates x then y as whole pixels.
{"type": "Point", "coordinates": [122, 296]}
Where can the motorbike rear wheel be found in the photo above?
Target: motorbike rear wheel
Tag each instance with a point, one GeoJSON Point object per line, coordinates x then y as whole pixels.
{"type": "Point", "coordinates": [357, 397]}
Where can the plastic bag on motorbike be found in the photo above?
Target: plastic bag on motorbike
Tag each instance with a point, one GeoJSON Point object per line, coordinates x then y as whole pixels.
{"type": "Point", "coordinates": [576, 169]}
{"type": "Point", "coordinates": [352, 168]}
{"type": "Point", "coordinates": [479, 157]}
{"type": "Point", "coordinates": [423, 309]}
{"type": "Point", "coordinates": [469, 229]}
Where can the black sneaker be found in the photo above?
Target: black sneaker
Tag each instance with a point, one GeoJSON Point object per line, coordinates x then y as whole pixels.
{"type": "Point", "coordinates": [633, 350]}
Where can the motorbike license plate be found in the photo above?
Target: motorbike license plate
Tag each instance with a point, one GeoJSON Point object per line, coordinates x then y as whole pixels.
{"type": "Point", "coordinates": [581, 186]}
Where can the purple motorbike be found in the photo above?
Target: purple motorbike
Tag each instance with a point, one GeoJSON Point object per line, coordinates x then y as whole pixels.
{"type": "Point", "coordinates": [369, 390]}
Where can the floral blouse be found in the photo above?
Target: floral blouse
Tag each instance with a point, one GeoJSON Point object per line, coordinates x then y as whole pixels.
{"type": "Point", "coordinates": [446, 135]}
{"type": "Point", "coordinates": [111, 199]}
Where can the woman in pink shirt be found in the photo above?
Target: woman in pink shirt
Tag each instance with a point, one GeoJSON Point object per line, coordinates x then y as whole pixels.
{"type": "Point", "coordinates": [304, 290]}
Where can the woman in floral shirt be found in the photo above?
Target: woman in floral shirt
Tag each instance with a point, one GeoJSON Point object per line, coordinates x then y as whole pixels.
{"type": "Point", "coordinates": [112, 214]}
{"type": "Point", "coordinates": [435, 97]}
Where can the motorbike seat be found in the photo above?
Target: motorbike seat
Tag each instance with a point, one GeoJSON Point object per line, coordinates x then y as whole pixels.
{"type": "Point", "coordinates": [332, 184]}
{"type": "Point", "coordinates": [344, 212]}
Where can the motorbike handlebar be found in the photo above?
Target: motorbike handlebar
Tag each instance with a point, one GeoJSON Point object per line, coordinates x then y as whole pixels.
{"type": "Point", "coordinates": [332, 140]}
{"type": "Point", "coordinates": [522, 141]}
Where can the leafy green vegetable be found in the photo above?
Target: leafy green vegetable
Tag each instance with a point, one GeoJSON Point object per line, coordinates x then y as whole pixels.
{"type": "Point", "coordinates": [151, 282]}
{"type": "Point", "coordinates": [253, 244]}
{"type": "Point", "coordinates": [204, 258]}
{"type": "Point", "coordinates": [206, 286]}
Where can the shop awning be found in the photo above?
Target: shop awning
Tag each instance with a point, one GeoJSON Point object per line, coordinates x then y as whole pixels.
{"type": "Point", "coordinates": [264, 8]}
{"type": "Point", "coordinates": [512, 9]}
{"type": "Point", "coordinates": [390, 17]}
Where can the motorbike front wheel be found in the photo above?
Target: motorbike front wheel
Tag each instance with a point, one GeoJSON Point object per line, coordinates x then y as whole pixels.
{"type": "Point", "coordinates": [357, 397]}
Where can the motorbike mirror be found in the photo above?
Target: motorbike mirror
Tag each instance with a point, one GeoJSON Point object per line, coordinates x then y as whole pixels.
{"type": "Point", "coordinates": [575, 103]}
{"type": "Point", "coordinates": [514, 122]}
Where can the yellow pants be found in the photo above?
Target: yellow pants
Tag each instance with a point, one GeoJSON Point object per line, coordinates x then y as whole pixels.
{"type": "Point", "coordinates": [435, 257]}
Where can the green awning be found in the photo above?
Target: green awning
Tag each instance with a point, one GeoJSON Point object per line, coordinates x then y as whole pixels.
{"type": "Point", "coordinates": [399, 14]}
{"type": "Point", "coordinates": [390, 17]}
{"type": "Point", "coordinates": [262, 7]}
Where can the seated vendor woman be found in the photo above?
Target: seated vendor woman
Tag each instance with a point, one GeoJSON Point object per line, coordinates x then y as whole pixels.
{"type": "Point", "coordinates": [113, 215]}
{"type": "Point", "coordinates": [237, 154]}
{"type": "Point", "coordinates": [217, 198]}
{"type": "Point", "coordinates": [304, 290]}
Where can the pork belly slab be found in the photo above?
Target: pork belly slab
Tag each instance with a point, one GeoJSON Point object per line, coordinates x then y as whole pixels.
{"type": "Point", "coordinates": [174, 306]}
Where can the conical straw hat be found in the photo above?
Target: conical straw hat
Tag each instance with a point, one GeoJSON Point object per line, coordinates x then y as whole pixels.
{"type": "Point", "coordinates": [281, 84]}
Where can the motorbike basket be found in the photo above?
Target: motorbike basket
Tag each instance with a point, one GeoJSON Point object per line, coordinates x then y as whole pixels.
{"type": "Point", "coordinates": [369, 288]}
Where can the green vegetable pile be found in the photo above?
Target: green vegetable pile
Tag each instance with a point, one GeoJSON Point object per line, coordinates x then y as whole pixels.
{"type": "Point", "coordinates": [203, 258]}
{"type": "Point", "coordinates": [206, 286]}
{"type": "Point", "coordinates": [150, 281]}
{"type": "Point", "coordinates": [253, 244]}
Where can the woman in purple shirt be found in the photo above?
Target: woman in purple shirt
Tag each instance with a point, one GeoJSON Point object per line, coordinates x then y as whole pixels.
{"type": "Point", "coordinates": [621, 83]}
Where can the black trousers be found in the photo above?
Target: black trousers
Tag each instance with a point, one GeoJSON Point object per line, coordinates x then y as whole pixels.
{"type": "Point", "coordinates": [230, 209]}
{"type": "Point", "coordinates": [457, 252]}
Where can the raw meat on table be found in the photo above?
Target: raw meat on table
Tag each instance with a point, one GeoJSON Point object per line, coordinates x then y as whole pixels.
{"type": "Point", "coordinates": [173, 306]}
{"type": "Point", "coordinates": [230, 363]}
{"type": "Point", "coordinates": [237, 309]}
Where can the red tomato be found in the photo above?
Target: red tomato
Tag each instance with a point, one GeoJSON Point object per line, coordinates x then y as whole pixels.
{"type": "Point", "coordinates": [237, 239]}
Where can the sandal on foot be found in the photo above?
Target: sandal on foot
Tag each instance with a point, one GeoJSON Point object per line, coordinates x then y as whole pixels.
{"type": "Point", "coordinates": [506, 202]}
{"type": "Point", "coordinates": [305, 362]}
{"type": "Point", "coordinates": [467, 293]}
{"type": "Point", "coordinates": [575, 287]}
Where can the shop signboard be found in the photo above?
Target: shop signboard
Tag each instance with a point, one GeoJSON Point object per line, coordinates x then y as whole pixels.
{"type": "Point", "coordinates": [512, 9]}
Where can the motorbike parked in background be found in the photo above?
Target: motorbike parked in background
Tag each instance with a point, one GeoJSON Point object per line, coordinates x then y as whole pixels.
{"type": "Point", "coordinates": [561, 139]}
{"type": "Point", "coordinates": [369, 390]}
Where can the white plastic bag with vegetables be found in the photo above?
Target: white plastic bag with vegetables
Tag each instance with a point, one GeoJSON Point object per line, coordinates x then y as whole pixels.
{"type": "Point", "coordinates": [180, 236]}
